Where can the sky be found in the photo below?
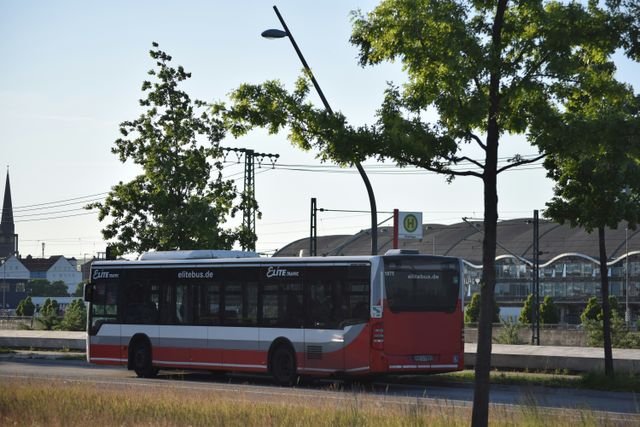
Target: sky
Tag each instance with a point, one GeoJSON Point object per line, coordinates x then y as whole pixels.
{"type": "Point", "coordinates": [72, 71]}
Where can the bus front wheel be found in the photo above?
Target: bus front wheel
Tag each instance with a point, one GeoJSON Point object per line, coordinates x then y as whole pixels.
{"type": "Point", "coordinates": [142, 360]}
{"type": "Point", "coordinates": [283, 366]}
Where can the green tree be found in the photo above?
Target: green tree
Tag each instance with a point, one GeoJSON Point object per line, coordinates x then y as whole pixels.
{"type": "Point", "coordinates": [79, 292]}
{"type": "Point", "coordinates": [175, 203]}
{"type": "Point", "coordinates": [621, 336]}
{"type": "Point", "coordinates": [472, 311]}
{"type": "Point", "coordinates": [486, 68]}
{"type": "Point", "coordinates": [510, 332]}
{"type": "Point", "coordinates": [549, 314]}
{"type": "Point", "coordinates": [615, 307]}
{"type": "Point", "coordinates": [593, 150]}
{"type": "Point", "coordinates": [525, 314]}
{"type": "Point", "coordinates": [49, 314]}
{"type": "Point", "coordinates": [592, 312]}
{"type": "Point", "coordinates": [496, 313]}
{"type": "Point", "coordinates": [75, 317]}
{"type": "Point", "coordinates": [25, 307]}
{"type": "Point", "coordinates": [43, 288]}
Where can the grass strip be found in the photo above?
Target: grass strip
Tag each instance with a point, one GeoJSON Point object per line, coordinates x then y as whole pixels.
{"type": "Point", "coordinates": [625, 382]}
{"type": "Point", "coordinates": [66, 403]}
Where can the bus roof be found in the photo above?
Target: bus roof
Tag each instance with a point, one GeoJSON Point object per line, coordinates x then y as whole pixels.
{"type": "Point", "coordinates": [198, 258]}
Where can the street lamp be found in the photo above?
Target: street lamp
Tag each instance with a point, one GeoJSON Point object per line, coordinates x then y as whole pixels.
{"type": "Point", "coordinates": [627, 309]}
{"type": "Point", "coordinates": [278, 34]}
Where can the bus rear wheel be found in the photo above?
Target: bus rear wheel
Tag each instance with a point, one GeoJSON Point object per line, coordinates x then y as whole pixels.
{"type": "Point", "coordinates": [283, 366]}
{"type": "Point", "coordinates": [142, 361]}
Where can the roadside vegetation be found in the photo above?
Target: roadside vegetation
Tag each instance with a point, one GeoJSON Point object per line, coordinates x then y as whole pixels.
{"type": "Point", "coordinates": [69, 404]}
{"type": "Point", "coordinates": [561, 379]}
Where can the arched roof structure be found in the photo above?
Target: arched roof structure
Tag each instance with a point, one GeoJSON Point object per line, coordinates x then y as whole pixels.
{"type": "Point", "coordinates": [464, 240]}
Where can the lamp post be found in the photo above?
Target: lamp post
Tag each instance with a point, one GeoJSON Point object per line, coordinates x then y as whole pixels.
{"type": "Point", "coordinates": [627, 309]}
{"type": "Point", "coordinates": [278, 34]}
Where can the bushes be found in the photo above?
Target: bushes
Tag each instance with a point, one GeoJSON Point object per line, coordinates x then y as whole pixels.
{"type": "Point", "coordinates": [549, 312]}
{"type": "Point", "coordinates": [25, 307]}
{"type": "Point", "coordinates": [75, 317]}
{"type": "Point", "coordinates": [591, 319]}
{"type": "Point", "coordinates": [472, 311]}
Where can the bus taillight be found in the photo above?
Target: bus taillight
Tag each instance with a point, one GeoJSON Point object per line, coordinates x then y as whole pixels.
{"type": "Point", "coordinates": [377, 336]}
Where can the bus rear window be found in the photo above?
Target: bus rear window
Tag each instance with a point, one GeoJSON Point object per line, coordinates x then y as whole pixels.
{"type": "Point", "coordinates": [415, 284]}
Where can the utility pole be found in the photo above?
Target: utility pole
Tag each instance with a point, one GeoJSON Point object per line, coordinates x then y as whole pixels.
{"type": "Point", "coordinates": [535, 313]}
{"type": "Point", "coordinates": [313, 232]}
{"type": "Point", "coordinates": [627, 309]}
{"type": "Point", "coordinates": [248, 194]}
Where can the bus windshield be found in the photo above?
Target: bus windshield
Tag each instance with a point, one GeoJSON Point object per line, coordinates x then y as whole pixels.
{"type": "Point", "coordinates": [418, 284]}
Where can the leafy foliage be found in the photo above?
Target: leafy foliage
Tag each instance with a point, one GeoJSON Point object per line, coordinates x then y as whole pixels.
{"type": "Point", "coordinates": [525, 314]}
{"type": "Point", "coordinates": [180, 201]}
{"type": "Point", "coordinates": [75, 317]}
{"type": "Point", "coordinates": [549, 314]}
{"type": "Point", "coordinates": [49, 314]}
{"type": "Point", "coordinates": [485, 68]}
{"type": "Point", "coordinates": [79, 292]}
{"type": "Point", "coordinates": [43, 288]}
{"type": "Point", "coordinates": [25, 307]}
{"type": "Point", "coordinates": [621, 336]}
{"type": "Point", "coordinates": [509, 333]}
{"type": "Point", "coordinates": [593, 154]}
{"type": "Point", "coordinates": [592, 322]}
{"type": "Point", "coordinates": [592, 312]}
{"type": "Point", "coordinates": [472, 310]}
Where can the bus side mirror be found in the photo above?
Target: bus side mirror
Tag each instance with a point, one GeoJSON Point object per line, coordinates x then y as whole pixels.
{"type": "Point", "coordinates": [88, 292]}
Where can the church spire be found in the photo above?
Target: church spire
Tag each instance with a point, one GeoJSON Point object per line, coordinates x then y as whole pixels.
{"type": "Point", "coordinates": [8, 238]}
{"type": "Point", "coordinates": [7, 226]}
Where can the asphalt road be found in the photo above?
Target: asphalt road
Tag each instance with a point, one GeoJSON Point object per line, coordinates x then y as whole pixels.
{"type": "Point", "coordinates": [261, 387]}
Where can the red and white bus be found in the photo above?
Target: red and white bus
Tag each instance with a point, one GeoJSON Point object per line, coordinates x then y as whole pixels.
{"type": "Point", "coordinates": [351, 315]}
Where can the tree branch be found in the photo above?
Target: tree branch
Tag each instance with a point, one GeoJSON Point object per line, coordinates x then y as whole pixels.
{"type": "Point", "coordinates": [468, 159]}
{"type": "Point", "coordinates": [520, 163]}
{"type": "Point", "coordinates": [439, 170]}
{"type": "Point", "coordinates": [521, 54]}
{"type": "Point", "coordinates": [478, 140]}
{"type": "Point", "coordinates": [532, 70]}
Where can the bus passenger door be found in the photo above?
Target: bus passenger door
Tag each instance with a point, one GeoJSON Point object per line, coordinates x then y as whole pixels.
{"type": "Point", "coordinates": [207, 314]}
{"type": "Point", "coordinates": [175, 339]}
{"type": "Point", "coordinates": [323, 337]}
{"type": "Point", "coordinates": [355, 297]}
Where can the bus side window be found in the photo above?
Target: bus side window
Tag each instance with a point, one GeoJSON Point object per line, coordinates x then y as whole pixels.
{"type": "Point", "coordinates": [355, 302]}
{"type": "Point", "coordinates": [183, 311]}
{"type": "Point", "coordinates": [104, 308]}
{"type": "Point", "coordinates": [320, 304]}
{"type": "Point", "coordinates": [167, 305]}
{"type": "Point", "coordinates": [207, 304]}
{"type": "Point", "coordinates": [140, 306]}
{"type": "Point", "coordinates": [282, 303]}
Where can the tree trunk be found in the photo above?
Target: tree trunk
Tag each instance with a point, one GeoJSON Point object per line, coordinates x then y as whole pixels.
{"type": "Point", "coordinates": [480, 415]}
{"type": "Point", "coordinates": [606, 309]}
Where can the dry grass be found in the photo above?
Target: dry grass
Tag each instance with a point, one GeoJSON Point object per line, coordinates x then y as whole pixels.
{"type": "Point", "coordinates": [72, 404]}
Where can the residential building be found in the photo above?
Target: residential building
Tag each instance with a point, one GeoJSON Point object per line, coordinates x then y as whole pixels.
{"type": "Point", "coordinates": [54, 269]}
{"type": "Point", "coordinates": [13, 279]}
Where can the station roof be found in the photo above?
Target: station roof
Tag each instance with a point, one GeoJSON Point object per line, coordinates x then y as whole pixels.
{"type": "Point", "coordinates": [464, 240]}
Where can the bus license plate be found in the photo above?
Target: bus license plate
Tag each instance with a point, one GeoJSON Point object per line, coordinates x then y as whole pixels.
{"type": "Point", "coordinates": [423, 358]}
